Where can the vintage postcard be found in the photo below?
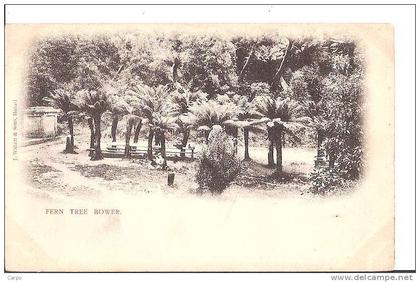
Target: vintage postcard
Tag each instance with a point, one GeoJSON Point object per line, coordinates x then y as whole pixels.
{"type": "Point", "coordinates": [199, 147]}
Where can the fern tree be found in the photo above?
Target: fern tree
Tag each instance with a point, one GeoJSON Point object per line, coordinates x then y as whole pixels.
{"type": "Point", "coordinates": [126, 106]}
{"type": "Point", "coordinates": [209, 113]}
{"type": "Point", "coordinates": [246, 120]}
{"type": "Point", "coordinates": [281, 116]}
{"type": "Point", "coordinates": [180, 103]}
{"type": "Point", "coordinates": [150, 104]}
{"type": "Point", "coordinates": [120, 108]}
{"type": "Point", "coordinates": [313, 110]}
{"type": "Point", "coordinates": [115, 90]}
{"type": "Point", "coordinates": [307, 88]}
{"type": "Point", "coordinates": [63, 100]}
{"type": "Point", "coordinates": [94, 104]}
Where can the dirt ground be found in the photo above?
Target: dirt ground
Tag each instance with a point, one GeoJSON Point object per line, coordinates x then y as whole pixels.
{"type": "Point", "coordinates": [258, 223]}
{"type": "Point", "coordinates": [49, 170]}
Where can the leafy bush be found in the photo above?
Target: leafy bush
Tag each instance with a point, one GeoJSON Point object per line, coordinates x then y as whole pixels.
{"type": "Point", "coordinates": [343, 115]}
{"type": "Point", "coordinates": [324, 179]}
{"type": "Point", "coordinates": [219, 164]}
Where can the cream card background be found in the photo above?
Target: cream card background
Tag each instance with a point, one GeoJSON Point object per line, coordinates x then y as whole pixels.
{"type": "Point", "coordinates": [212, 233]}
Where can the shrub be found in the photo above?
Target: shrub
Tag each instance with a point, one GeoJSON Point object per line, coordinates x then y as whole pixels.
{"type": "Point", "coordinates": [343, 114]}
{"type": "Point", "coordinates": [218, 164]}
{"type": "Point", "coordinates": [324, 179]}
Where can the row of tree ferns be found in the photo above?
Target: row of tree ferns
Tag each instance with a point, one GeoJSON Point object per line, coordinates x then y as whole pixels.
{"type": "Point", "coordinates": [179, 82]}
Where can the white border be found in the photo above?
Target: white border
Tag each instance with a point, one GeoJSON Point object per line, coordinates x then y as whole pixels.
{"type": "Point", "coordinates": [402, 17]}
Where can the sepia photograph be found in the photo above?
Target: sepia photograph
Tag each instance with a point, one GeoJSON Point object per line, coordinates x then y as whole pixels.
{"type": "Point", "coordinates": [192, 147]}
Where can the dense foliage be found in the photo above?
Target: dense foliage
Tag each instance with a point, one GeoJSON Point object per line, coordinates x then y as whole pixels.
{"type": "Point", "coordinates": [218, 164]}
{"type": "Point", "coordinates": [296, 91]}
{"type": "Point", "coordinates": [324, 179]}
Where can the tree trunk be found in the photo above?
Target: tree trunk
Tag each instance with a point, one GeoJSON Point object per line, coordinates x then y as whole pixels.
{"type": "Point", "coordinates": [279, 149]}
{"type": "Point", "coordinates": [157, 137]}
{"type": "Point", "coordinates": [175, 69]}
{"type": "Point", "coordinates": [114, 128]}
{"type": "Point", "coordinates": [129, 128]}
{"type": "Point", "coordinates": [184, 143]}
{"type": "Point", "coordinates": [320, 137]}
{"type": "Point", "coordinates": [281, 68]}
{"type": "Point", "coordinates": [68, 149]}
{"type": "Point", "coordinates": [271, 154]}
{"type": "Point", "coordinates": [283, 139]}
{"type": "Point", "coordinates": [137, 132]}
{"type": "Point", "coordinates": [97, 155]}
{"type": "Point", "coordinates": [271, 138]}
{"type": "Point", "coordinates": [246, 62]}
{"type": "Point", "coordinates": [150, 145]}
{"type": "Point", "coordinates": [92, 136]}
{"type": "Point", "coordinates": [162, 145]}
{"type": "Point", "coordinates": [331, 161]}
{"type": "Point", "coordinates": [246, 143]}
{"type": "Point", "coordinates": [235, 140]}
{"type": "Point", "coordinates": [70, 146]}
{"type": "Point", "coordinates": [206, 134]}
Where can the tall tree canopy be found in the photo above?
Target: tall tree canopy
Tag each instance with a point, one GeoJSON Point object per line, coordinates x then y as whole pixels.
{"type": "Point", "coordinates": [324, 76]}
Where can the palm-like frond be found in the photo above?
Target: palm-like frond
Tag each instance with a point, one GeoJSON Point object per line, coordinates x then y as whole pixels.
{"type": "Point", "coordinates": [313, 112]}
{"type": "Point", "coordinates": [285, 110]}
{"type": "Point", "coordinates": [246, 108]}
{"type": "Point", "coordinates": [147, 100]}
{"type": "Point", "coordinates": [256, 126]}
{"type": "Point", "coordinates": [181, 101]}
{"type": "Point", "coordinates": [150, 103]}
{"type": "Point", "coordinates": [61, 99]}
{"type": "Point", "coordinates": [265, 106]}
{"type": "Point", "coordinates": [162, 123]}
{"type": "Point", "coordinates": [312, 109]}
{"type": "Point", "coordinates": [211, 113]}
{"type": "Point", "coordinates": [282, 113]}
{"type": "Point", "coordinates": [93, 102]}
